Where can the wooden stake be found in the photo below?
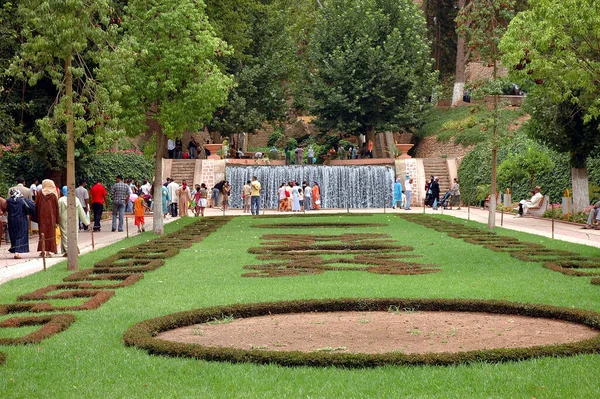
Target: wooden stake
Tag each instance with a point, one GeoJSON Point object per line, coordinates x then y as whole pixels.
{"type": "Point", "coordinates": [92, 232]}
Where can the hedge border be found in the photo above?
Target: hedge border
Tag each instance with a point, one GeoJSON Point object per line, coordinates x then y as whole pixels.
{"type": "Point", "coordinates": [319, 225]}
{"type": "Point", "coordinates": [560, 261]}
{"type": "Point", "coordinates": [52, 324]}
{"type": "Point", "coordinates": [97, 298]}
{"type": "Point", "coordinates": [142, 335]}
{"type": "Point", "coordinates": [88, 275]}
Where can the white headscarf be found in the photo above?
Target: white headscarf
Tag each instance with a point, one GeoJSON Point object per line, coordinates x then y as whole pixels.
{"type": "Point", "coordinates": [48, 187]}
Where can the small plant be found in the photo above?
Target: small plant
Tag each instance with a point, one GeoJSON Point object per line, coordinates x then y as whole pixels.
{"type": "Point", "coordinates": [259, 347]}
{"type": "Point", "coordinates": [330, 349]}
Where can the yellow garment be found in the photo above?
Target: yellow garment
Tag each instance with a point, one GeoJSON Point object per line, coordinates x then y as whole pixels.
{"type": "Point", "coordinates": [255, 188]}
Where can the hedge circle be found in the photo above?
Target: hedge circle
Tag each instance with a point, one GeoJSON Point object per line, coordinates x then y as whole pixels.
{"type": "Point", "coordinates": [142, 335]}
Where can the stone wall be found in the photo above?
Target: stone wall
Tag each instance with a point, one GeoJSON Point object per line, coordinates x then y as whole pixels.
{"type": "Point", "coordinates": [429, 147]}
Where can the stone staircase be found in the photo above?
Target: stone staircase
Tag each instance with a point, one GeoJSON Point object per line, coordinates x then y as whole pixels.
{"type": "Point", "coordinates": [438, 167]}
{"type": "Point", "coordinates": [183, 169]}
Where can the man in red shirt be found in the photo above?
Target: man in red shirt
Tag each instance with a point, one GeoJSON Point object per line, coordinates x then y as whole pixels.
{"type": "Point", "coordinates": [98, 199]}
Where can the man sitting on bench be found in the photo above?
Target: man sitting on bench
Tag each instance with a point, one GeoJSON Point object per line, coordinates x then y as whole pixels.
{"type": "Point", "coordinates": [533, 203]}
{"type": "Point", "coordinates": [593, 217]}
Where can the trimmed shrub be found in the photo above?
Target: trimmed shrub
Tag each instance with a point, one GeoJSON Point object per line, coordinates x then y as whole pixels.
{"type": "Point", "coordinates": [51, 325]}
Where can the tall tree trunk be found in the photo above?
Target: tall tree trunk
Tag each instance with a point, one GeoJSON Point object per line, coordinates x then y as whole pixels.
{"type": "Point", "coordinates": [581, 196]}
{"type": "Point", "coordinates": [492, 214]}
{"type": "Point", "coordinates": [157, 215]}
{"type": "Point", "coordinates": [461, 65]}
{"type": "Point", "coordinates": [72, 227]}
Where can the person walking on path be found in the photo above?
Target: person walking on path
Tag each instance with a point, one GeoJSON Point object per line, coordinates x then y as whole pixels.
{"type": "Point", "coordinates": [397, 194]}
{"type": "Point", "coordinates": [17, 207]}
{"type": "Point", "coordinates": [173, 186]}
{"type": "Point", "coordinates": [46, 207]}
{"type": "Point", "coordinates": [455, 192]}
{"type": "Point", "coordinates": [255, 196]}
{"type": "Point", "coordinates": [80, 216]}
{"type": "Point", "coordinates": [435, 192]}
{"type": "Point", "coordinates": [408, 191]}
{"type": "Point", "coordinates": [184, 196]}
{"type": "Point", "coordinates": [139, 208]}
{"type": "Point", "coordinates": [166, 198]}
{"type": "Point", "coordinates": [316, 196]}
{"type": "Point", "coordinates": [98, 196]}
{"type": "Point", "coordinates": [84, 198]}
{"type": "Point", "coordinates": [120, 196]}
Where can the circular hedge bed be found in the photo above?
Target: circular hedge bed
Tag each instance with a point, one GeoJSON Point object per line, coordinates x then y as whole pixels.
{"type": "Point", "coordinates": [142, 335]}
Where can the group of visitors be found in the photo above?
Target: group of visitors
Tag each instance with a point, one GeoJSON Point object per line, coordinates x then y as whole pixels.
{"type": "Point", "coordinates": [194, 151]}
{"type": "Point", "coordinates": [296, 198]}
{"type": "Point", "coordinates": [44, 205]}
{"type": "Point", "coordinates": [450, 198]}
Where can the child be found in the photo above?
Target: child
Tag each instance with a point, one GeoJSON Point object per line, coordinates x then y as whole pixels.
{"type": "Point", "coordinates": [139, 208]}
{"type": "Point", "coordinates": [201, 197]}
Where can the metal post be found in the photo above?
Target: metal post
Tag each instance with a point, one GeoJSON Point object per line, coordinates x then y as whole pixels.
{"type": "Point", "coordinates": [384, 205]}
{"type": "Point", "coordinates": [43, 238]}
{"type": "Point", "coordinates": [502, 216]}
{"type": "Point", "coordinates": [423, 207]}
{"type": "Point", "coordinates": [468, 211]}
{"type": "Point", "coordinates": [92, 232]}
{"type": "Point", "coordinates": [127, 226]}
{"type": "Point", "coordinates": [552, 221]}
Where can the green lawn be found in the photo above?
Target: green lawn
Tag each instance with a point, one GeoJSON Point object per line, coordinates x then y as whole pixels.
{"type": "Point", "coordinates": [88, 360]}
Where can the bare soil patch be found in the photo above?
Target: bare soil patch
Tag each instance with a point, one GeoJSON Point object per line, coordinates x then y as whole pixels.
{"type": "Point", "coordinates": [375, 332]}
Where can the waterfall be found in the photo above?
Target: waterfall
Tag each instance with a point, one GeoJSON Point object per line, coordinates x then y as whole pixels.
{"type": "Point", "coordinates": [359, 187]}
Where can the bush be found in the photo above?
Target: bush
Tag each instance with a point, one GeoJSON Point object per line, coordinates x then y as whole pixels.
{"type": "Point", "coordinates": [16, 164]}
{"type": "Point", "coordinates": [106, 166]}
{"type": "Point", "coordinates": [274, 137]}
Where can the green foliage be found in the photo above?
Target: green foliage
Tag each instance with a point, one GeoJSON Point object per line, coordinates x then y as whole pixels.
{"type": "Point", "coordinates": [371, 63]}
{"type": "Point", "coordinates": [19, 164]}
{"type": "Point", "coordinates": [164, 67]}
{"type": "Point", "coordinates": [510, 171]}
{"type": "Point", "coordinates": [108, 165]}
{"type": "Point", "coordinates": [275, 136]}
{"type": "Point", "coordinates": [534, 162]}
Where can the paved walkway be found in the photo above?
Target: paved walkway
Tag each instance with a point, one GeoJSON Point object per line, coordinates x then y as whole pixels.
{"type": "Point", "coordinates": [31, 263]}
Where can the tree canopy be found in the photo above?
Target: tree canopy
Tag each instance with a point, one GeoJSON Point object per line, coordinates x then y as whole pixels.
{"type": "Point", "coordinates": [372, 67]}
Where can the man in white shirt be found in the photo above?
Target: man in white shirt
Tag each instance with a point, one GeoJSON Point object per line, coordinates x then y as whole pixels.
{"type": "Point", "coordinates": [534, 202]}
{"type": "Point", "coordinates": [84, 197]}
{"type": "Point", "coordinates": [172, 188]}
{"type": "Point", "coordinates": [170, 148]}
{"type": "Point", "coordinates": [408, 192]}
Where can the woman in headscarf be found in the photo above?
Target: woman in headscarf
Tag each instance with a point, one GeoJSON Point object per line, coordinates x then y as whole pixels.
{"type": "Point", "coordinates": [46, 204]}
{"type": "Point", "coordinates": [316, 196]}
{"type": "Point", "coordinates": [185, 196]}
{"type": "Point", "coordinates": [166, 198]}
{"type": "Point", "coordinates": [397, 194]}
{"type": "Point", "coordinates": [80, 215]}
{"type": "Point", "coordinates": [18, 208]}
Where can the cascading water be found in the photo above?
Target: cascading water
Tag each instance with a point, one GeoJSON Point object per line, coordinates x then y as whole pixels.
{"type": "Point", "coordinates": [364, 186]}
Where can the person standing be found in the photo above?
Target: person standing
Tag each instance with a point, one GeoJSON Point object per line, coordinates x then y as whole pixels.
{"type": "Point", "coordinates": [173, 187]}
{"type": "Point", "coordinates": [295, 198]}
{"type": "Point", "coordinates": [226, 194]}
{"type": "Point", "coordinates": [26, 192]}
{"type": "Point", "coordinates": [246, 193]}
{"type": "Point", "coordinates": [46, 207]}
{"type": "Point", "coordinates": [17, 207]}
{"type": "Point", "coordinates": [33, 188]}
{"type": "Point", "coordinates": [184, 196]}
{"type": "Point", "coordinates": [193, 147]}
{"type": "Point", "coordinates": [397, 194]}
{"type": "Point", "coordinates": [255, 196]}
{"type": "Point", "coordinates": [178, 148]}
{"type": "Point", "coordinates": [435, 192]}
{"type": "Point", "coordinates": [201, 199]}
{"type": "Point", "coordinates": [282, 195]}
{"type": "Point", "coordinates": [2, 212]}
{"type": "Point", "coordinates": [165, 200]}
{"type": "Point", "coordinates": [82, 194]}
{"type": "Point", "coordinates": [408, 188]}
{"type": "Point", "coordinates": [171, 148]}
{"type": "Point", "coordinates": [307, 196]}
{"type": "Point", "coordinates": [310, 155]}
{"type": "Point", "coordinates": [316, 196]}
{"type": "Point", "coordinates": [455, 192]}
{"type": "Point", "coordinates": [120, 196]}
{"type": "Point", "coordinates": [98, 196]}
{"type": "Point", "coordinates": [80, 215]}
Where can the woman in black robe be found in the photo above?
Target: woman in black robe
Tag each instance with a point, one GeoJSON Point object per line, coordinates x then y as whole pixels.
{"type": "Point", "coordinates": [18, 208]}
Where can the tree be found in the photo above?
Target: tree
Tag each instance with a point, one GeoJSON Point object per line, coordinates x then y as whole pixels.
{"type": "Point", "coordinates": [59, 41]}
{"type": "Point", "coordinates": [533, 163]}
{"type": "Point", "coordinates": [510, 171]}
{"type": "Point", "coordinates": [371, 66]}
{"type": "Point", "coordinates": [164, 68]}
{"type": "Point", "coordinates": [483, 23]}
{"type": "Point", "coordinates": [555, 45]}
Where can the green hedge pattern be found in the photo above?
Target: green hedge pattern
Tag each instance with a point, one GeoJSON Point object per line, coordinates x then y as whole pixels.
{"type": "Point", "coordinates": [142, 335]}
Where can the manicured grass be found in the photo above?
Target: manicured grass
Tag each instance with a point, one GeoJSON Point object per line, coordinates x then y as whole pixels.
{"type": "Point", "coordinates": [88, 360]}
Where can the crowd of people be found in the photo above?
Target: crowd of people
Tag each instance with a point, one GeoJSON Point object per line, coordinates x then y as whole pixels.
{"type": "Point", "coordinates": [298, 198]}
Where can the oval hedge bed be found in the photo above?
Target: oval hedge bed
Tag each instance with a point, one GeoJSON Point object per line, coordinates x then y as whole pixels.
{"type": "Point", "coordinates": [142, 335]}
